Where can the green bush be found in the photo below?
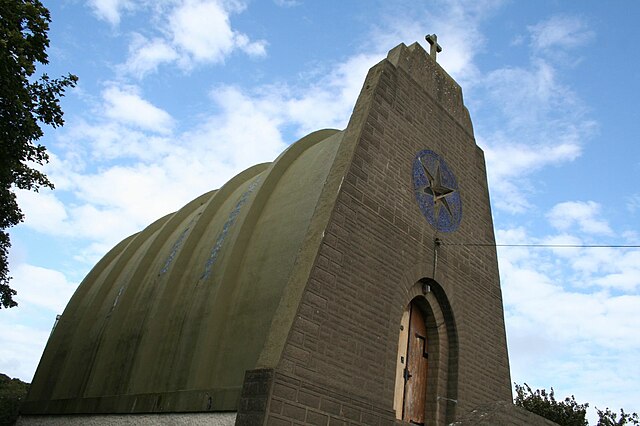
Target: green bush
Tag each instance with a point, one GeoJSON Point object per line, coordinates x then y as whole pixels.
{"type": "Point", "coordinates": [567, 412]}
{"type": "Point", "coordinates": [543, 403]}
{"type": "Point", "coordinates": [609, 418]}
{"type": "Point", "coordinates": [12, 393]}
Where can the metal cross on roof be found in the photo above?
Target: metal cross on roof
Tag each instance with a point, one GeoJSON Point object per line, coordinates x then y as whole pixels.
{"type": "Point", "coordinates": [435, 47]}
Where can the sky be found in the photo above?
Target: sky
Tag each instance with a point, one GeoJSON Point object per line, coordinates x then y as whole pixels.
{"type": "Point", "coordinates": [177, 96]}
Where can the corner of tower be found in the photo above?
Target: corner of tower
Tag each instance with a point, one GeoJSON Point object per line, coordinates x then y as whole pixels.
{"type": "Point", "coordinates": [424, 69]}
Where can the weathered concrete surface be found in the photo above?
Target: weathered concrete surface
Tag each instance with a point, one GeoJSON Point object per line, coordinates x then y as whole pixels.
{"type": "Point", "coordinates": [190, 419]}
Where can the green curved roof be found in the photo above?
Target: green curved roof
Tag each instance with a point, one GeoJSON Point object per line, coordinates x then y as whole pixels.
{"type": "Point", "coordinates": [183, 308]}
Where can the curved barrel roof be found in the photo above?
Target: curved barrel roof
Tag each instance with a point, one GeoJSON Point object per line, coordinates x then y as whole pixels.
{"type": "Point", "coordinates": [173, 316]}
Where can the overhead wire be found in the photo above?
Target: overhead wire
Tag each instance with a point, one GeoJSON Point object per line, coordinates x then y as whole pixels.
{"type": "Point", "coordinates": [542, 245]}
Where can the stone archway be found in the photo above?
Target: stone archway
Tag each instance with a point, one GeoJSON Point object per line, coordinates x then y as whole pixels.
{"type": "Point", "coordinates": [426, 369]}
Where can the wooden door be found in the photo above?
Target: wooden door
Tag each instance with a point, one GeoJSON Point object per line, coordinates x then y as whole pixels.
{"type": "Point", "coordinates": [415, 387]}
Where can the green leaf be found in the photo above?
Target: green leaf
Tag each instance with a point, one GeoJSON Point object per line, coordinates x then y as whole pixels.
{"type": "Point", "coordinates": [25, 104]}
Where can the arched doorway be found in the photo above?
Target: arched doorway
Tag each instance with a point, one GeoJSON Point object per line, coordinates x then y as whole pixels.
{"type": "Point", "coordinates": [426, 368]}
{"type": "Point", "coordinates": [412, 367]}
{"type": "Point", "coordinates": [416, 367]}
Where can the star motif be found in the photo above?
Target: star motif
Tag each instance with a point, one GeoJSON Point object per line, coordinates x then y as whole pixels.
{"type": "Point", "coordinates": [436, 189]}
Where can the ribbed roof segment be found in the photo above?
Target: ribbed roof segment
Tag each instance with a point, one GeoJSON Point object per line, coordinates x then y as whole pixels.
{"type": "Point", "coordinates": [172, 317]}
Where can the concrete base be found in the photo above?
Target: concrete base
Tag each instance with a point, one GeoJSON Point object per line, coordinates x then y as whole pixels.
{"type": "Point", "coordinates": [190, 419]}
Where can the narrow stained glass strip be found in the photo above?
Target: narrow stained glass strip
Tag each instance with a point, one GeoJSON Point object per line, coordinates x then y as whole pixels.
{"type": "Point", "coordinates": [233, 215]}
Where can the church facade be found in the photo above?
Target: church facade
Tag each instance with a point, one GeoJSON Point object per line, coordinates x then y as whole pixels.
{"type": "Point", "coordinates": [354, 280]}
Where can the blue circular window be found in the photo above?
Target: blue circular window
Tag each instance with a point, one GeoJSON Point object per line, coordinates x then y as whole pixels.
{"type": "Point", "coordinates": [436, 191]}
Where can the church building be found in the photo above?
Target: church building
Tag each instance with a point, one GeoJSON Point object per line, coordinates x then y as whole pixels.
{"type": "Point", "coordinates": [352, 281]}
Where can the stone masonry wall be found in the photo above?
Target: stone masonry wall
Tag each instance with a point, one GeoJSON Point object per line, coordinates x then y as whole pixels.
{"type": "Point", "coordinates": [339, 362]}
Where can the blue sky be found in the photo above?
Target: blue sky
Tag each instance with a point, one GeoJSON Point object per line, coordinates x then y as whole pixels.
{"type": "Point", "coordinates": [177, 96]}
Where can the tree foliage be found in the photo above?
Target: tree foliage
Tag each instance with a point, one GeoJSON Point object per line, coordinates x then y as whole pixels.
{"type": "Point", "coordinates": [567, 412]}
{"type": "Point", "coordinates": [609, 418]}
{"type": "Point", "coordinates": [26, 103]}
{"type": "Point", "coordinates": [12, 393]}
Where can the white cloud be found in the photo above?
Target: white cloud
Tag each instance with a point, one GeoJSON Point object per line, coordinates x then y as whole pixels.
{"type": "Point", "coordinates": [251, 48]}
{"type": "Point", "coordinates": [21, 347]}
{"type": "Point", "coordinates": [44, 212]}
{"type": "Point", "coordinates": [605, 270]}
{"type": "Point", "coordinates": [574, 338]}
{"type": "Point", "coordinates": [633, 203]}
{"type": "Point", "coordinates": [110, 10]}
{"type": "Point", "coordinates": [560, 32]}
{"type": "Point", "coordinates": [113, 203]}
{"type": "Point", "coordinates": [565, 240]}
{"type": "Point", "coordinates": [42, 288]}
{"type": "Point", "coordinates": [510, 160]}
{"type": "Point", "coordinates": [248, 129]}
{"type": "Point", "coordinates": [109, 140]}
{"type": "Point", "coordinates": [613, 269]}
{"type": "Point", "coordinates": [584, 215]}
{"type": "Point", "coordinates": [621, 281]}
{"type": "Point", "coordinates": [191, 32]}
{"type": "Point", "coordinates": [125, 105]}
{"type": "Point", "coordinates": [519, 88]}
{"type": "Point", "coordinates": [202, 29]}
{"type": "Point", "coordinates": [146, 55]}
{"type": "Point", "coordinates": [287, 3]}
{"type": "Point", "coordinates": [329, 102]}
{"type": "Point", "coordinates": [508, 164]}
{"type": "Point", "coordinates": [91, 254]}
{"type": "Point", "coordinates": [535, 121]}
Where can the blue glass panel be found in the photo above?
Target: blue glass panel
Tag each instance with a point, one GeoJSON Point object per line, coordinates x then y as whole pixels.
{"type": "Point", "coordinates": [436, 191]}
